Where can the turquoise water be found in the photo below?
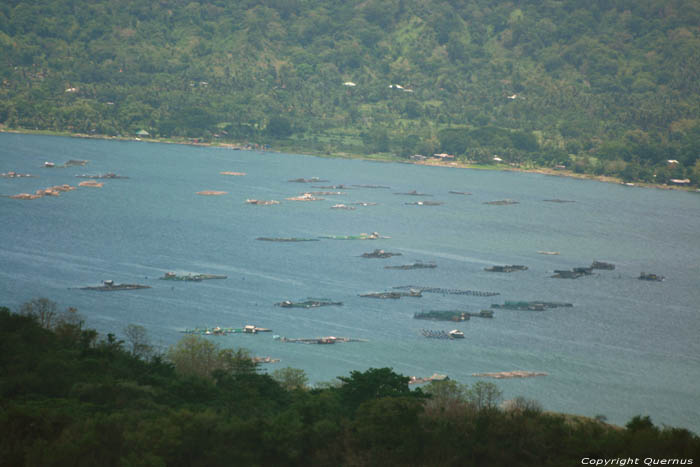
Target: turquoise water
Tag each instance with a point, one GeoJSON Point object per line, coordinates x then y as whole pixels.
{"type": "Point", "coordinates": [627, 347]}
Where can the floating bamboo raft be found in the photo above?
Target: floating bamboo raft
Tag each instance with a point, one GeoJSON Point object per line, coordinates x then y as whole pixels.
{"type": "Point", "coordinates": [476, 293]}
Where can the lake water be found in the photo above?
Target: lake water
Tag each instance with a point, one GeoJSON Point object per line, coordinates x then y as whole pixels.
{"type": "Point", "coordinates": [626, 347]}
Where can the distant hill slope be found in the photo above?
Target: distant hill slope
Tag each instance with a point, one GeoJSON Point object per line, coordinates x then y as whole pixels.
{"type": "Point", "coordinates": [615, 84]}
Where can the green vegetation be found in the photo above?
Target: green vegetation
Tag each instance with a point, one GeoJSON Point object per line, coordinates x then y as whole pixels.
{"type": "Point", "coordinates": [609, 87]}
{"type": "Point", "coordinates": [69, 397]}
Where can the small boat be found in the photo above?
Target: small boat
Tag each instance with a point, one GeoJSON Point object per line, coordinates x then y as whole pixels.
{"type": "Point", "coordinates": [456, 334]}
{"type": "Point", "coordinates": [548, 252]}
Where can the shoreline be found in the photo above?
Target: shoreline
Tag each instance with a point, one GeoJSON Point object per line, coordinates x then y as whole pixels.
{"type": "Point", "coordinates": [389, 158]}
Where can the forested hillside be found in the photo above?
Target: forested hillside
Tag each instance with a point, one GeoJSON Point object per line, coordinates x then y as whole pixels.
{"type": "Point", "coordinates": [604, 87]}
{"type": "Point", "coordinates": [69, 397]}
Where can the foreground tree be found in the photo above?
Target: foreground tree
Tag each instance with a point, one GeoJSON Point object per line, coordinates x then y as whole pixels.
{"type": "Point", "coordinates": [138, 338]}
{"type": "Point", "coordinates": [197, 356]}
{"type": "Point", "coordinates": [374, 383]}
{"type": "Point", "coordinates": [291, 378]}
{"type": "Point", "coordinates": [484, 396]}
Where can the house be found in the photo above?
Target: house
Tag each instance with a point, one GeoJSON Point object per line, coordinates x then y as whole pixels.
{"type": "Point", "coordinates": [677, 181]}
{"type": "Point", "coordinates": [443, 156]}
{"type": "Point", "coordinates": [349, 83]}
{"type": "Point", "coordinates": [497, 159]}
{"type": "Point", "coordinates": [143, 133]}
{"type": "Point", "coordinates": [418, 157]}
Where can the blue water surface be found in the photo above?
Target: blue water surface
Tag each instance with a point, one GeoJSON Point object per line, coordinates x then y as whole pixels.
{"type": "Point", "coordinates": [626, 347]}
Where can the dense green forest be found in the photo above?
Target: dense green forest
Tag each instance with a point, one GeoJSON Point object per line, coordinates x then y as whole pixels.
{"type": "Point", "coordinates": [603, 87]}
{"type": "Point", "coordinates": [71, 397]}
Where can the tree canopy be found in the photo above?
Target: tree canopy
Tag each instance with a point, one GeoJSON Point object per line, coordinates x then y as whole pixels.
{"type": "Point", "coordinates": [602, 88]}
{"type": "Point", "coordinates": [76, 398]}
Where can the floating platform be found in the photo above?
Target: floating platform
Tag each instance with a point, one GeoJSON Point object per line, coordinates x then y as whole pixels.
{"type": "Point", "coordinates": [443, 315]}
{"type": "Point", "coordinates": [75, 163]}
{"type": "Point", "coordinates": [440, 334]}
{"type": "Point", "coordinates": [91, 184]}
{"type": "Point", "coordinates": [393, 295]}
{"type": "Point", "coordinates": [108, 175]}
{"type": "Point", "coordinates": [510, 374]}
{"type": "Point", "coordinates": [362, 236]}
{"type": "Point", "coordinates": [532, 305]}
{"type": "Point", "coordinates": [49, 191]}
{"type": "Point", "coordinates": [602, 265]}
{"type": "Point", "coordinates": [307, 180]}
{"type": "Point", "coordinates": [452, 315]}
{"type": "Point", "coordinates": [327, 193]}
{"type": "Point", "coordinates": [219, 331]}
{"type": "Point", "coordinates": [343, 206]}
{"type": "Point", "coordinates": [265, 360]}
{"type": "Point", "coordinates": [171, 276]}
{"type": "Point", "coordinates": [548, 252]}
{"type": "Point", "coordinates": [304, 197]}
{"type": "Point", "coordinates": [507, 268]}
{"type": "Point", "coordinates": [319, 340]}
{"type": "Point", "coordinates": [434, 377]}
{"type": "Point", "coordinates": [373, 186]}
{"type": "Point", "coordinates": [70, 163]}
{"type": "Point", "coordinates": [650, 277]}
{"type": "Point", "coordinates": [16, 175]}
{"type": "Point", "coordinates": [440, 290]}
{"type": "Point", "coordinates": [286, 239]}
{"type": "Point", "coordinates": [308, 303]}
{"type": "Point", "coordinates": [575, 273]}
{"type": "Point", "coordinates": [332, 187]}
{"type": "Point", "coordinates": [365, 204]}
{"type": "Point", "coordinates": [501, 202]}
{"type": "Point", "coordinates": [110, 286]}
{"type": "Point", "coordinates": [413, 193]}
{"type": "Point", "coordinates": [262, 202]}
{"type": "Point", "coordinates": [417, 265]}
{"type": "Point", "coordinates": [459, 192]}
{"type": "Point", "coordinates": [211, 193]}
{"type": "Point", "coordinates": [380, 254]}
{"type": "Point", "coordinates": [425, 203]}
